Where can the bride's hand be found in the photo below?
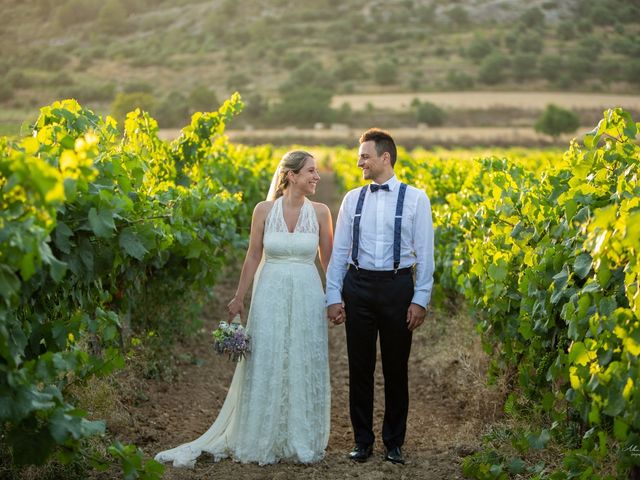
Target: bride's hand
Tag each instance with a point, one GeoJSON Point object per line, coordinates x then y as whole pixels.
{"type": "Point", "coordinates": [235, 307]}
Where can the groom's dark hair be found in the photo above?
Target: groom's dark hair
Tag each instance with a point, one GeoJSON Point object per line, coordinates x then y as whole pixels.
{"type": "Point", "coordinates": [383, 142]}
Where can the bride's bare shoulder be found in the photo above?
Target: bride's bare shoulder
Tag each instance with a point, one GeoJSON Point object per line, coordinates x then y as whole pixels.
{"type": "Point", "coordinates": [321, 209]}
{"type": "Point", "coordinates": [263, 208]}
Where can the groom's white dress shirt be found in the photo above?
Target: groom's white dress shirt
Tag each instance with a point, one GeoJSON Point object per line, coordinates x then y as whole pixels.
{"type": "Point", "coordinates": [376, 238]}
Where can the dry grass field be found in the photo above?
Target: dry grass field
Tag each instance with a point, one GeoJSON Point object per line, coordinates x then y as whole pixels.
{"type": "Point", "coordinates": [407, 137]}
{"type": "Point", "coordinates": [488, 100]}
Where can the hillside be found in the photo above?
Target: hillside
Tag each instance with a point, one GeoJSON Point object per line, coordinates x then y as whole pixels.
{"type": "Point", "coordinates": [175, 57]}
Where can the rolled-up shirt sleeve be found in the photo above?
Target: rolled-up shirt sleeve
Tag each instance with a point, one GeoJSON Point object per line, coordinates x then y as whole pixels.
{"type": "Point", "coordinates": [340, 256]}
{"type": "Point", "coordinates": [423, 248]}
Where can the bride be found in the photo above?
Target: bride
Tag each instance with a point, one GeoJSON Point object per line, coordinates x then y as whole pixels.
{"type": "Point", "coordinates": [278, 404]}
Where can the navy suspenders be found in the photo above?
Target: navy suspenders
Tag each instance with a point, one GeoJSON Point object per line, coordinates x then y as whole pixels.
{"type": "Point", "coordinates": [396, 227]}
{"type": "Point", "coordinates": [356, 226]}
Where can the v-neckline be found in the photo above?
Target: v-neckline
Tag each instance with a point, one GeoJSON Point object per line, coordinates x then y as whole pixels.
{"type": "Point", "coordinates": [295, 227]}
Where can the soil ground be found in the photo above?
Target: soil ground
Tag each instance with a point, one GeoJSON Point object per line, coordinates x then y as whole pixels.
{"type": "Point", "coordinates": [451, 405]}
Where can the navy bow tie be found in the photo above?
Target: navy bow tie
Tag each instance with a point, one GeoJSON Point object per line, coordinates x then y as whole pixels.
{"type": "Point", "coordinates": [375, 187]}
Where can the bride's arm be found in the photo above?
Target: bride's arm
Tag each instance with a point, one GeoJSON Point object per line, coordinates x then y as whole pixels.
{"type": "Point", "coordinates": [252, 259]}
{"type": "Point", "coordinates": [326, 235]}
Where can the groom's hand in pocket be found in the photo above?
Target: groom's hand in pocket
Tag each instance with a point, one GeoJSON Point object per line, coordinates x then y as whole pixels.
{"type": "Point", "coordinates": [415, 316]}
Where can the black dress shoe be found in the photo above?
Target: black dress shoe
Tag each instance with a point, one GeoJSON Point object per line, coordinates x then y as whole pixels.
{"type": "Point", "coordinates": [361, 452]}
{"type": "Point", "coordinates": [394, 455]}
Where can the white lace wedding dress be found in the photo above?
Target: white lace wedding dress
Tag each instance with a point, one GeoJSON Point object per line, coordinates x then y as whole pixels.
{"type": "Point", "coordinates": [278, 404]}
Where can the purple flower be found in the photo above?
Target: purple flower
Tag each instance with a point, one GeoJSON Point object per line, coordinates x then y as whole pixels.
{"type": "Point", "coordinates": [232, 339]}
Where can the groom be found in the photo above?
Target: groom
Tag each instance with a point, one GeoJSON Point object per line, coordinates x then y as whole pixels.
{"type": "Point", "coordinates": [383, 239]}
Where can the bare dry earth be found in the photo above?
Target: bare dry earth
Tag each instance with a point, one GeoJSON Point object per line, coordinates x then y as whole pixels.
{"type": "Point", "coordinates": [450, 403]}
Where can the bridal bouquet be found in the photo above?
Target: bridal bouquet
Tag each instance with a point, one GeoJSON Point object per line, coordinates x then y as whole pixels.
{"type": "Point", "coordinates": [232, 339]}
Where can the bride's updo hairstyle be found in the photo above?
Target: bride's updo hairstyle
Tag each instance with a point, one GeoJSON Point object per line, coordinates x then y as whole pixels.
{"type": "Point", "coordinates": [292, 161]}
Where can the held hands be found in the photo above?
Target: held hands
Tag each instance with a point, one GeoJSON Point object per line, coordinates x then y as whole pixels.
{"type": "Point", "coordinates": [336, 313]}
{"type": "Point", "coordinates": [235, 307]}
{"type": "Point", "coordinates": [415, 316]}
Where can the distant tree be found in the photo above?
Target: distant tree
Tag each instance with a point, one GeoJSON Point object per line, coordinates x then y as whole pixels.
{"type": "Point", "coordinates": [137, 86]}
{"type": "Point", "coordinates": [479, 48]}
{"type": "Point", "coordinates": [425, 14]}
{"type": "Point", "coordinates": [385, 73]}
{"type": "Point", "coordinates": [590, 46]}
{"type": "Point", "coordinates": [578, 67]}
{"type": "Point", "coordinates": [255, 107]}
{"type": "Point", "coordinates": [17, 79]}
{"type": "Point", "coordinates": [127, 102]}
{"type": "Point", "coordinates": [631, 71]}
{"type": "Point", "coordinates": [416, 80]}
{"type": "Point", "coordinates": [76, 11]}
{"type": "Point", "coordinates": [173, 110]}
{"type": "Point", "coordinates": [530, 42]}
{"type": "Point", "coordinates": [551, 66]}
{"type": "Point", "coordinates": [6, 92]}
{"type": "Point", "coordinates": [566, 31]}
{"type": "Point", "coordinates": [459, 16]}
{"type": "Point", "coordinates": [533, 18]}
{"type": "Point", "coordinates": [429, 113]}
{"type": "Point", "coordinates": [45, 7]}
{"type": "Point", "coordinates": [555, 121]}
{"type": "Point", "coordinates": [523, 66]}
{"type": "Point", "coordinates": [86, 92]}
{"type": "Point", "coordinates": [338, 34]}
{"type": "Point", "coordinates": [348, 87]}
{"type": "Point", "coordinates": [602, 14]}
{"type": "Point", "coordinates": [610, 69]}
{"type": "Point", "coordinates": [492, 69]}
{"type": "Point", "coordinates": [312, 74]}
{"type": "Point", "coordinates": [349, 69]}
{"type": "Point", "coordinates": [51, 59]}
{"type": "Point", "coordinates": [302, 107]}
{"type": "Point", "coordinates": [238, 81]}
{"type": "Point", "coordinates": [202, 99]}
{"type": "Point", "coordinates": [229, 8]}
{"type": "Point", "coordinates": [629, 46]}
{"type": "Point", "coordinates": [291, 60]}
{"type": "Point", "coordinates": [345, 113]}
{"type": "Point", "coordinates": [511, 40]}
{"type": "Point", "coordinates": [459, 80]}
{"type": "Point", "coordinates": [113, 17]}
{"type": "Point", "coordinates": [61, 79]}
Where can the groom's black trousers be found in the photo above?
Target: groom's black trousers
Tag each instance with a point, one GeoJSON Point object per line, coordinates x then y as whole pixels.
{"type": "Point", "coordinates": [377, 302]}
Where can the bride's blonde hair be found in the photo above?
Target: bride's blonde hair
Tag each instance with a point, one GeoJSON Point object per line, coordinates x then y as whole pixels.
{"type": "Point", "coordinates": [292, 161]}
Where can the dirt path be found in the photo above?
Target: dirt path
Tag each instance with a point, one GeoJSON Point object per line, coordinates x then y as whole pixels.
{"type": "Point", "coordinates": [450, 404]}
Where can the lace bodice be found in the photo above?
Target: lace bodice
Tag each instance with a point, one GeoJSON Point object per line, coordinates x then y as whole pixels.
{"type": "Point", "coordinates": [299, 246]}
{"type": "Point", "coordinates": [307, 221]}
